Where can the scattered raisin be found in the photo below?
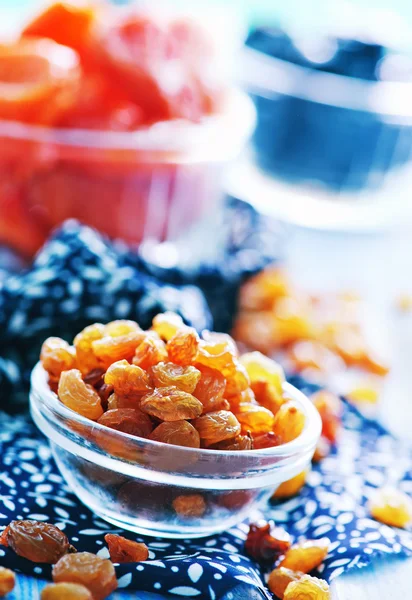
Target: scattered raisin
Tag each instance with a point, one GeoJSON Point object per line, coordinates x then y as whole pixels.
{"type": "Point", "coordinates": [122, 550]}
{"type": "Point", "coordinates": [290, 488]}
{"type": "Point", "coordinates": [37, 541]}
{"type": "Point", "coordinates": [127, 420]}
{"type": "Point", "coordinates": [79, 396]}
{"type": "Point", "coordinates": [127, 379]}
{"type": "Point", "coordinates": [86, 359]}
{"type": "Point", "coordinates": [167, 324]}
{"type": "Point", "coordinates": [171, 404]}
{"type": "Point", "coordinates": [392, 507]}
{"type": "Point", "coordinates": [210, 388]}
{"type": "Point", "coordinates": [177, 433]}
{"type": "Point", "coordinates": [57, 356]}
{"type": "Point", "coordinates": [330, 409]}
{"type": "Point", "coordinates": [307, 588]}
{"type": "Point", "coordinates": [289, 421]}
{"type": "Point", "coordinates": [184, 378]}
{"type": "Point", "coordinates": [182, 348]}
{"type": "Point", "coordinates": [306, 556]}
{"type": "Point", "coordinates": [255, 418]}
{"type": "Point", "coordinates": [65, 591]}
{"type": "Point", "coordinates": [265, 543]}
{"type": "Point", "coordinates": [190, 506]}
{"type": "Point", "coordinates": [7, 581]}
{"type": "Point", "coordinates": [150, 351]}
{"type": "Point", "coordinates": [280, 578]}
{"type": "Point", "coordinates": [214, 427]}
{"type": "Point", "coordinates": [96, 574]}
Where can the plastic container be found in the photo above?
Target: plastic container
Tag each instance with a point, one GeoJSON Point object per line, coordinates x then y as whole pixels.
{"type": "Point", "coordinates": [149, 184]}
{"type": "Point", "coordinates": [132, 482]}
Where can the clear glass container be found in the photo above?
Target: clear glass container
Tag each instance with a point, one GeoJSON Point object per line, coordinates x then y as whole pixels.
{"type": "Point", "coordinates": [133, 482]}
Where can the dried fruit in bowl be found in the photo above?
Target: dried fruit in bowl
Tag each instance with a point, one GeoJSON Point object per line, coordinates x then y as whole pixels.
{"type": "Point", "coordinates": [177, 433]}
{"type": "Point", "coordinates": [210, 388]}
{"type": "Point", "coordinates": [150, 352]}
{"type": "Point", "coordinates": [111, 349]}
{"type": "Point", "coordinates": [122, 550]}
{"type": "Point", "coordinates": [392, 507]}
{"type": "Point", "coordinates": [265, 543]}
{"type": "Point", "coordinates": [79, 396]}
{"type": "Point", "coordinates": [254, 418]}
{"type": "Point", "coordinates": [289, 421]}
{"type": "Point", "coordinates": [127, 420]}
{"type": "Point", "coordinates": [168, 374]}
{"type": "Point", "coordinates": [39, 81]}
{"type": "Point", "coordinates": [171, 404]}
{"type": "Point", "coordinates": [262, 368]}
{"type": "Point", "coordinates": [96, 574]}
{"type": "Point", "coordinates": [307, 588]}
{"type": "Point", "coordinates": [183, 347]}
{"type": "Point", "coordinates": [306, 556]}
{"type": "Point", "coordinates": [127, 379]}
{"type": "Point", "coordinates": [57, 356]}
{"type": "Point", "coordinates": [37, 541]}
{"type": "Point", "coordinates": [214, 427]}
{"type": "Point", "coordinates": [167, 324]}
{"type": "Point", "coordinates": [190, 506]}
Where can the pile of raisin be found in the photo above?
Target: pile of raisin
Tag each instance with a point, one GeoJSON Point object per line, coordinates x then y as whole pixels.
{"type": "Point", "coordinates": [170, 385]}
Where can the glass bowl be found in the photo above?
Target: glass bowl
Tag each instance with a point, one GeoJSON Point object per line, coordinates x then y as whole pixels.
{"type": "Point", "coordinates": [152, 183]}
{"type": "Point", "coordinates": [133, 482]}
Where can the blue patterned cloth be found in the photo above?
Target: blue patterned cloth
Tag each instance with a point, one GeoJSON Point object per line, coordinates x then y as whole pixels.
{"type": "Point", "coordinates": [332, 504]}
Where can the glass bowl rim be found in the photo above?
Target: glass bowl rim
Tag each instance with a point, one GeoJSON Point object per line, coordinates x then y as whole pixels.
{"type": "Point", "coordinates": [307, 439]}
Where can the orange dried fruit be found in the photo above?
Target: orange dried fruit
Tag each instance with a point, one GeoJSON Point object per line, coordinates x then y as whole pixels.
{"type": "Point", "coordinates": [260, 367]}
{"type": "Point", "coordinates": [150, 351]}
{"type": "Point", "coordinates": [214, 427]}
{"type": "Point", "coordinates": [122, 550]}
{"type": "Point", "coordinates": [121, 327]}
{"type": "Point", "coordinates": [86, 359]}
{"type": "Point", "coordinates": [237, 379]}
{"type": "Point", "coordinates": [265, 543]}
{"type": "Point", "coordinates": [113, 349]}
{"type": "Point", "coordinates": [127, 420]}
{"type": "Point", "coordinates": [256, 330]}
{"type": "Point", "coordinates": [261, 291]}
{"type": "Point", "coordinates": [167, 325]}
{"type": "Point", "coordinates": [241, 442]}
{"type": "Point", "coordinates": [127, 379]}
{"type": "Point", "coordinates": [391, 506]}
{"type": "Point", "coordinates": [267, 395]}
{"type": "Point", "coordinates": [182, 348]}
{"type": "Point", "coordinates": [7, 581]}
{"type": "Point", "coordinates": [96, 574]}
{"type": "Point", "coordinates": [280, 578]}
{"type": "Point", "coordinates": [290, 488]}
{"type": "Point", "coordinates": [289, 421]}
{"type": "Point", "coordinates": [330, 409]}
{"type": "Point", "coordinates": [307, 588]}
{"type": "Point", "coordinates": [306, 556]}
{"type": "Point", "coordinates": [177, 433]}
{"type": "Point", "coordinates": [65, 591]}
{"type": "Point", "coordinates": [266, 440]}
{"type": "Point", "coordinates": [37, 541]}
{"type": "Point", "coordinates": [254, 418]}
{"type": "Point", "coordinates": [190, 506]}
{"type": "Point", "coordinates": [57, 356]}
{"type": "Point", "coordinates": [216, 354]}
{"type": "Point", "coordinates": [171, 404]}
{"type": "Point", "coordinates": [210, 388]}
{"type": "Point", "coordinates": [184, 378]}
{"type": "Point", "coordinates": [79, 396]}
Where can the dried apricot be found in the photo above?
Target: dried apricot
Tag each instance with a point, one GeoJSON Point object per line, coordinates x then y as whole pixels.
{"type": "Point", "coordinates": [96, 574]}
{"type": "Point", "coordinates": [280, 578]}
{"type": "Point", "coordinates": [190, 506]}
{"type": "Point", "coordinates": [291, 487]}
{"type": "Point", "coordinates": [241, 442]}
{"type": "Point", "coordinates": [266, 440]}
{"type": "Point", "coordinates": [210, 388]}
{"type": "Point", "coordinates": [65, 591]}
{"type": "Point", "coordinates": [121, 327]}
{"type": "Point", "coordinates": [122, 550]}
{"type": "Point", "coordinates": [7, 581]}
{"type": "Point", "coordinates": [171, 404]}
{"type": "Point", "coordinates": [57, 356]}
{"type": "Point", "coordinates": [306, 555]}
{"type": "Point", "coordinates": [167, 324]}
{"type": "Point", "coordinates": [392, 507]}
{"type": "Point", "coordinates": [267, 395]}
{"type": "Point", "coordinates": [127, 420]}
{"type": "Point", "coordinates": [255, 418]}
{"type": "Point", "coordinates": [184, 378]}
{"type": "Point", "coordinates": [183, 346]}
{"type": "Point", "coordinates": [86, 359]}
{"type": "Point", "coordinates": [237, 379]}
{"type": "Point", "coordinates": [127, 379]}
{"type": "Point", "coordinates": [150, 351]}
{"type": "Point", "coordinates": [330, 409]}
{"type": "Point", "coordinates": [289, 421]}
{"type": "Point", "coordinates": [265, 543]}
{"type": "Point", "coordinates": [37, 541]}
{"type": "Point", "coordinates": [177, 433]}
{"type": "Point", "coordinates": [79, 396]}
{"type": "Point", "coordinates": [307, 588]}
{"type": "Point", "coordinates": [214, 427]}
{"type": "Point", "coordinates": [260, 367]}
{"type": "Point", "coordinates": [112, 349]}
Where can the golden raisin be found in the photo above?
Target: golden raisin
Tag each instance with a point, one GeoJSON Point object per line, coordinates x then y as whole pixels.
{"type": "Point", "coordinates": [261, 291]}
{"type": "Point", "coordinates": [122, 550]}
{"type": "Point", "coordinates": [245, 397]}
{"type": "Point", "coordinates": [118, 401]}
{"type": "Point", "coordinates": [392, 507]}
{"type": "Point", "coordinates": [150, 351]}
{"type": "Point", "coordinates": [167, 324]}
{"type": "Point", "coordinates": [37, 541]}
{"type": "Point", "coordinates": [127, 420]}
{"type": "Point", "coordinates": [266, 440]}
{"type": "Point", "coordinates": [280, 578]}
{"type": "Point", "coordinates": [177, 433]}
{"type": "Point", "coordinates": [214, 336]}
{"type": "Point", "coordinates": [260, 367]}
{"type": "Point", "coordinates": [57, 356]}
{"type": "Point", "coordinates": [112, 349]}
{"type": "Point", "coordinates": [96, 574]}
{"type": "Point", "coordinates": [121, 327]}
{"type": "Point", "coordinates": [171, 404]}
{"type": "Point", "coordinates": [184, 378]}
{"type": "Point", "coordinates": [241, 442]}
{"type": "Point", "coordinates": [256, 330]}
{"type": "Point", "coordinates": [190, 506]}
{"type": "Point", "coordinates": [237, 379]}
{"type": "Point", "coordinates": [182, 348]}
{"type": "Point", "coordinates": [210, 388]}
{"type": "Point", "coordinates": [7, 581]}
{"type": "Point", "coordinates": [330, 409]}
{"type": "Point", "coordinates": [65, 591]}
{"type": "Point", "coordinates": [216, 354]}
{"type": "Point", "coordinates": [254, 418]}
{"type": "Point", "coordinates": [214, 427]}
{"type": "Point", "coordinates": [86, 359]}
{"type": "Point", "coordinates": [79, 396]}
{"type": "Point", "coordinates": [289, 421]}
{"type": "Point", "coordinates": [306, 556]}
{"type": "Point", "coordinates": [127, 379]}
{"type": "Point", "coordinates": [267, 395]}
{"type": "Point", "coordinates": [291, 487]}
{"type": "Point", "coordinates": [265, 543]}
{"type": "Point", "coordinates": [307, 588]}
